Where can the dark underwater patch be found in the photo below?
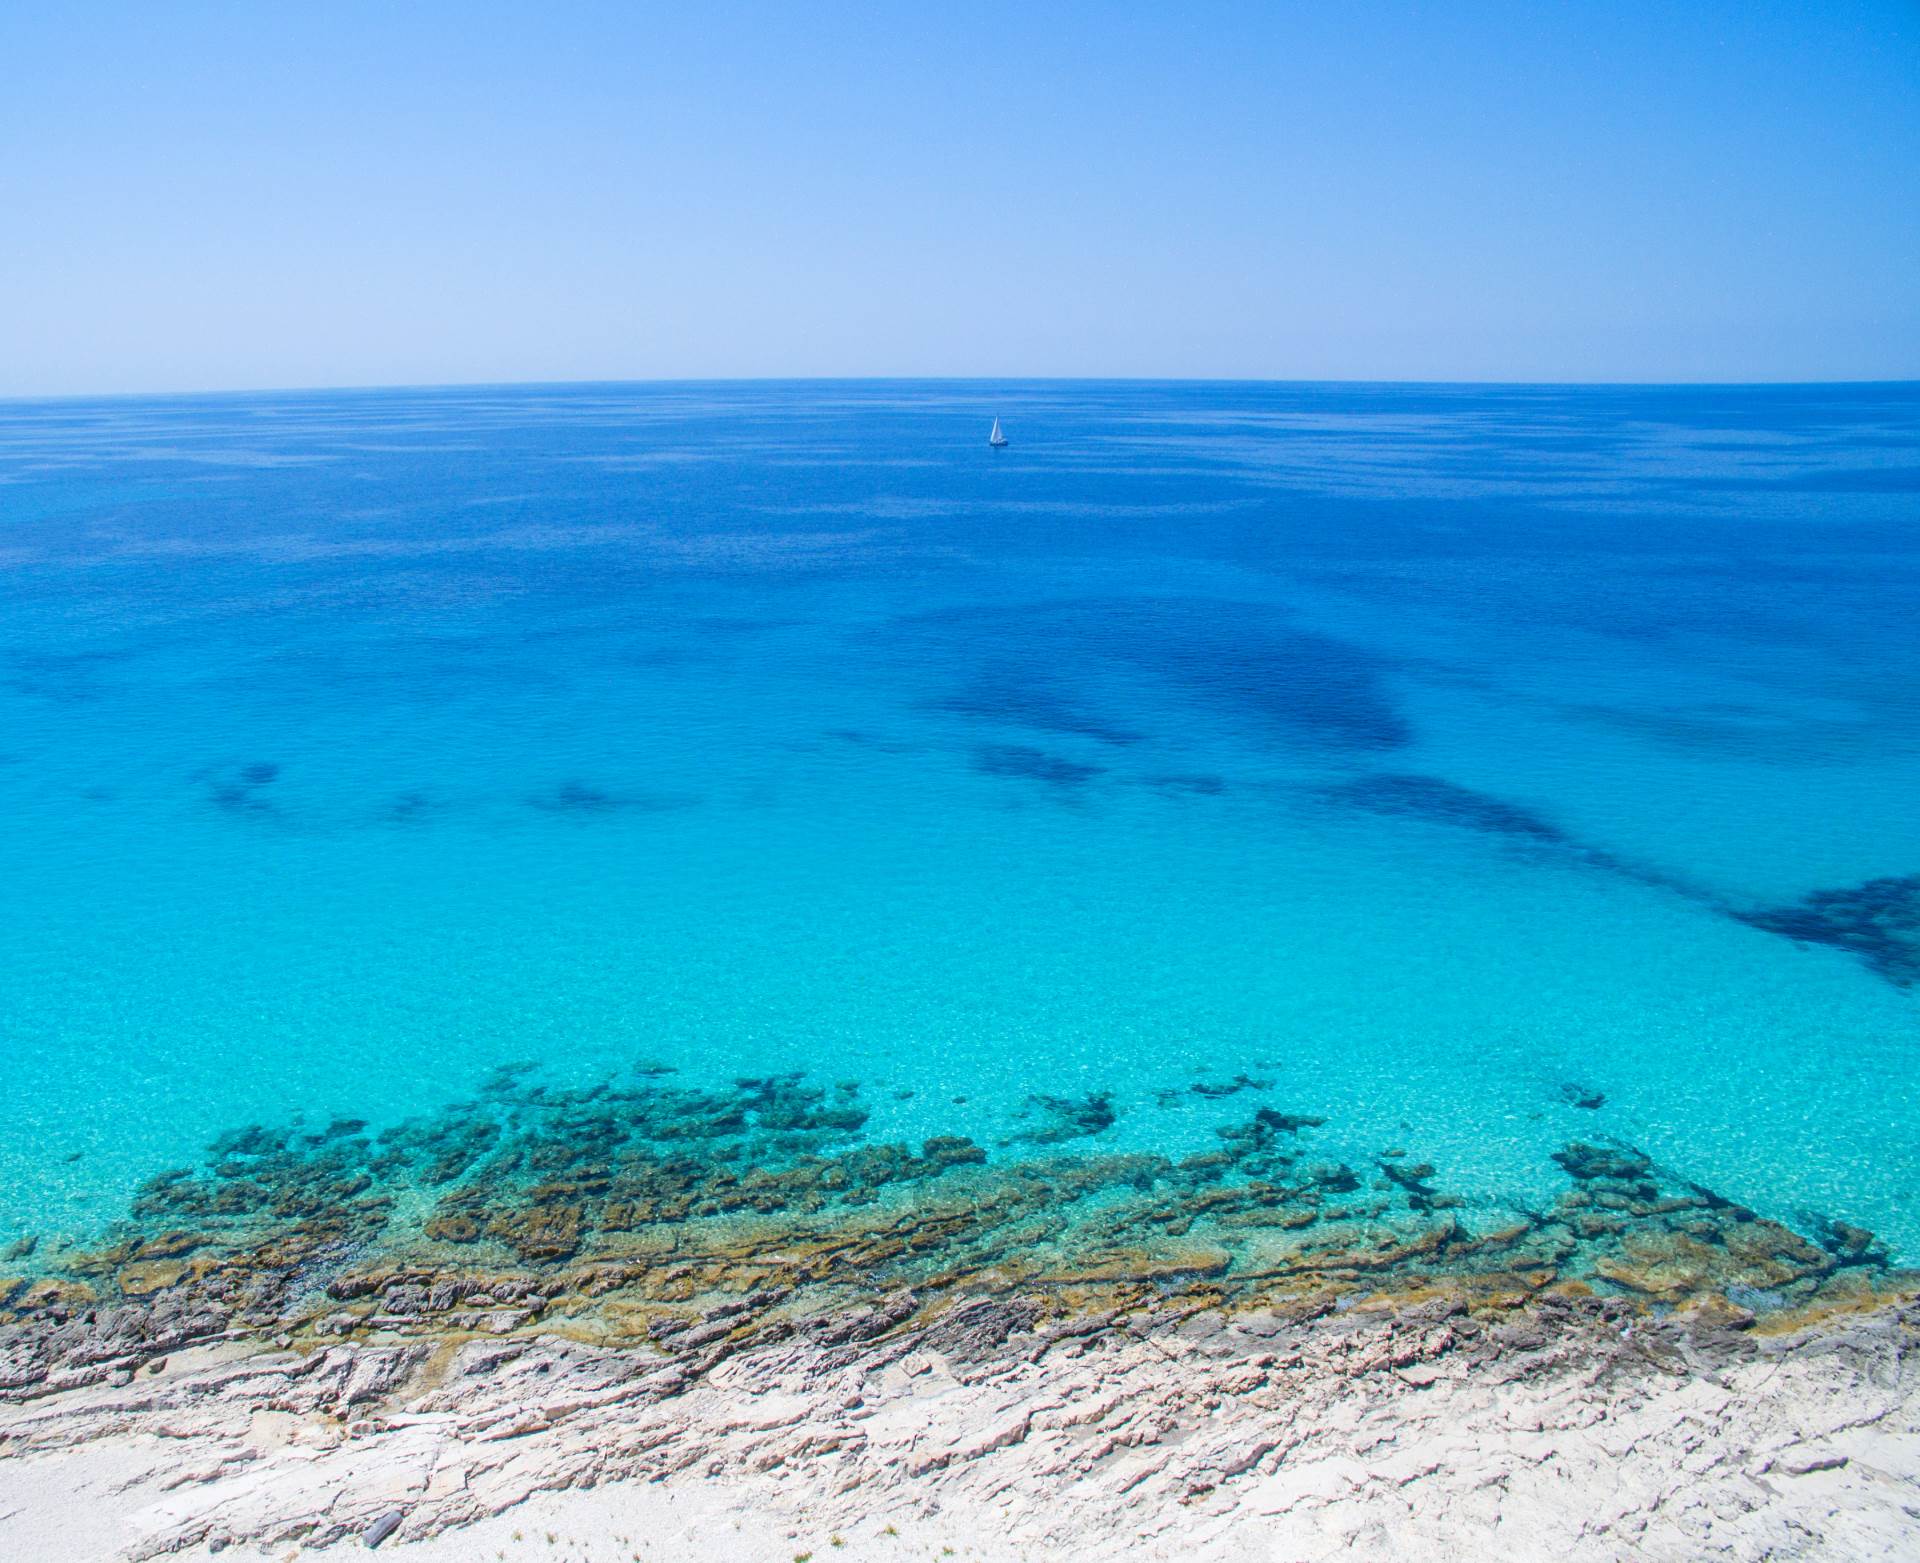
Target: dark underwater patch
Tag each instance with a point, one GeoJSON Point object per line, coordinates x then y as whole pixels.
{"type": "Point", "coordinates": [242, 791]}
{"type": "Point", "coordinates": [62, 677]}
{"type": "Point", "coordinates": [1849, 1244]}
{"type": "Point", "coordinates": [411, 808]}
{"type": "Point", "coordinates": [1415, 1180]}
{"type": "Point", "coordinates": [583, 800]}
{"type": "Point", "coordinates": [1878, 922]}
{"type": "Point", "coordinates": [1212, 1089]}
{"type": "Point", "coordinates": [577, 798]}
{"type": "Point", "coordinates": [1033, 765]}
{"type": "Point", "coordinates": [1441, 802]}
{"type": "Point", "coordinates": [1013, 702]}
{"type": "Point", "coordinates": [1064, 1118]}
{"type": "Point", "coordinates": [1247, 660]}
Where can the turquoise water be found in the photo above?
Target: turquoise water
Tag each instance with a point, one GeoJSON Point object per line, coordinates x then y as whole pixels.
{"type": "Point", "coordinates": [1444, 756]}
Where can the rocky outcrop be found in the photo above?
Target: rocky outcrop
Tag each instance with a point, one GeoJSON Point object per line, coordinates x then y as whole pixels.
{"type": "Point", "coordinates": [1569, 1429]}
{"type": "Point", "coordinates": [540, 1289]}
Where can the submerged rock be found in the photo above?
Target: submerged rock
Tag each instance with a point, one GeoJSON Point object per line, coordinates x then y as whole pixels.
{"type": "Point", "coordinates": [1590, 1162]}
{"type": "Point", "coordinates": [1021, 760]}
{"type": "Point", "coordinates": [1851, 1245]}
{"type": "Point", "coordinates": [703, 1218]}
{"type": "Point", "coordinates": [1213, 1089]}
{"type": "Point", "coordinates": [1441, 802]}
{"type": "Point", "coordinates": [1878, 922]}
{"type": "Point", "coordinates": [1068, 1118]}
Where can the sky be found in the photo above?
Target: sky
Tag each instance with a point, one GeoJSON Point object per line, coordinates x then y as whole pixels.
{"type": "Point", "coordinates": [225, 196]}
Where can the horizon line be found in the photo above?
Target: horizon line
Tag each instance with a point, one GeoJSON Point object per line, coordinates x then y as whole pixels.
{"type": "Point", "coordinates": [379, 387]}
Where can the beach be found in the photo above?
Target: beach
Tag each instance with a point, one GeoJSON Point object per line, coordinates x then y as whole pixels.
{"type": "Point", "coordinates": [788, 1336]}
{"type": "Point", "coordinates": [1561, 1429]}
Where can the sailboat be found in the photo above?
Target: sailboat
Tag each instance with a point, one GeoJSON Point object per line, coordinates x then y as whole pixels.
{"type": "Point", "coordinates": [996, 439]}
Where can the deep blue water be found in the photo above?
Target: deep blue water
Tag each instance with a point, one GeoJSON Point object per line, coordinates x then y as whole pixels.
{"type": "Point", "coordinates": [1427, 751]}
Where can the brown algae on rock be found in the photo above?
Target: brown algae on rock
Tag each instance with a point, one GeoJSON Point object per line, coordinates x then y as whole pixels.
{"type": "Point", "coordinates": [681, 1215]}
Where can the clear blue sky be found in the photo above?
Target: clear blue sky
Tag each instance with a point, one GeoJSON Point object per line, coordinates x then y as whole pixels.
{"type": "Point", "coordinates": [200, 195]}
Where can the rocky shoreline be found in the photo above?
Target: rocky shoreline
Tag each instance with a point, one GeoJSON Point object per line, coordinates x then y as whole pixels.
{"type": "Point", "coordinates": [729, 1301]}
{"type": "Point", "coordinates": [1566, 1427]}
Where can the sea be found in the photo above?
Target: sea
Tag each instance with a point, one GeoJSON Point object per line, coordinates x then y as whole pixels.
{"type": "Point", "coordinates": [1477, 769]}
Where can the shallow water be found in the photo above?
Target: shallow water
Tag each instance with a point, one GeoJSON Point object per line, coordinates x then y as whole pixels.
{"type": "Point", "coordinates": [1456, 764]}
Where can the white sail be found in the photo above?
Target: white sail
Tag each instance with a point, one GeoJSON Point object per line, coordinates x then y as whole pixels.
{"type": "Point", "coordinates": [996, 438]}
